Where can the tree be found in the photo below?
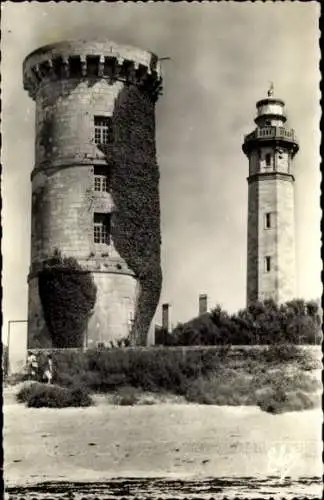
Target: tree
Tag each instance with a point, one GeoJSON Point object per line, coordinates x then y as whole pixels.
{"type": "Point", "coordinates": [265, 322]}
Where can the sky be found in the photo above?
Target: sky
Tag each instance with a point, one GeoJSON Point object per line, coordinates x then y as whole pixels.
{"type": "Point", "coordinates": [223, 57]}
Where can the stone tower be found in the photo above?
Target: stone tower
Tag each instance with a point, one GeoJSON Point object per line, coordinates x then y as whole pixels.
{"type": "Point", "coordinates": [95, 182]}
{"type": "Point", "coordinates": [270, 149]}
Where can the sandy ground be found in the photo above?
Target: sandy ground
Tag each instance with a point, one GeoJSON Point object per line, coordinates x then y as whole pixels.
{"type": "Point", "coordinates": [168, 441]}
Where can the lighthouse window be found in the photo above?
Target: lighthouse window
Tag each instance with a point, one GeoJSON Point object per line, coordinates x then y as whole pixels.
{"type": "Point", "coordinates": [101, 229]}
{"type": "Point", "coordinates": [103, 130]}
{"type": "Point", "coordinates": [268, 159]}
{"type": "Point", "coordinates": [267, 221]}
{"type": "Point", "coordinates": [267, 264]}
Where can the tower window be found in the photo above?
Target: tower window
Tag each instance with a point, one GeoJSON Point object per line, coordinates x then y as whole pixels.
{"type": "Point", "coordinates": [267, 264]}
{"type": "Point", "coordinates": [101, 179]}
{"type": "Point", "coordinates": [101, 228]}
{"type": "Point", "coordinates": [103, 130]}
{"type": "Point", "coordinates": [268, 159]}
{"type": "Point", "coordinates": [267, 220]}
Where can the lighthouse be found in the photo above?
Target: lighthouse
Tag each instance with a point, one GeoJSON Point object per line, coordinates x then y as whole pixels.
{"type": "Point", "coordinates": [270, 149]}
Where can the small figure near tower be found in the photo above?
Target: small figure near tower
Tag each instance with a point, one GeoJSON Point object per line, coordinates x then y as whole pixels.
{"type": "Point", "coordinates": [270, 148]}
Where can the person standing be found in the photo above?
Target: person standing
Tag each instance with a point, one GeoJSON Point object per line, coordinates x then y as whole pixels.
{"type": "Point", "coordinates": [32, 365]}
{"type": "Point", "coordinates": [48, 373]}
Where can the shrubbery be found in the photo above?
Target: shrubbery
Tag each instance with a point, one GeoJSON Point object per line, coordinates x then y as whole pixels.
{"type": "Point", "coordinates": [273, 391]}
{"type": "Point", "coordinates": [150, 370]}
{"type": "Point", "coordinates": [281, 353]}
{"type": "Point", "coordinates": [296, 322]}
{"type": "Point", "coordinates": [278, 401]}
{"type": "Point", "coordinates": [40, 395]}
{"type": "Point", "coordinates": [126, 396]}
{"type": "Point", "coordinates": [276, 378]}
{"type": "Point", "coordinates": [227, 388]}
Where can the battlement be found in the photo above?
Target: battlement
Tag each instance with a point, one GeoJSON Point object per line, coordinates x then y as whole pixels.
{"type": "Point", "coordinates": [92, 60]}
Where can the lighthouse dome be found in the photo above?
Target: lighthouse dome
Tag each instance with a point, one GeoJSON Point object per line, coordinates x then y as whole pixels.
{"type": "Point", "coordinates": [270, 111]}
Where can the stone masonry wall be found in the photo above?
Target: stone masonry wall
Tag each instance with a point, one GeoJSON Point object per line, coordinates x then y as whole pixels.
{"type": "Point", "coordinates": [268, 281]}
{"type": "Point", "coordinates": [275, 196]}
{"type": "Point", "coordinates": [115, 308]}
{"type": "Point", "coordinates": [286, 242]}
{"type": "Point", "coordinates": [64, 119]}
{"type": "Point", "coordinates": [61, 213]}
{"type": "Point", "coordinates": [253, 243]}
{"type": "Point", "coordinates": [64, 201]}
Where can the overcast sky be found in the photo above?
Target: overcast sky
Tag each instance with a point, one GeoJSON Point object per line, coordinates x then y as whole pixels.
{"type": "Point", "coordinates": [223, 56]}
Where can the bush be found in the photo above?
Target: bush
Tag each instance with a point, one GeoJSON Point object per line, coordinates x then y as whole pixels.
{"type": "Point", "coordinates": [289, 353]}
{"type": "Point", "coordinates": [274, 391]}
{"type": "Point", "coordinates": [296, 322]}
{"type": "Point", "coordinates": [149, 369]}
{"type": "Point", "coordinates": [279, 391]}
{"type": "Point", "coordinates": [227, 388]}
{"type": "Point", "coordinates": [39, 395]}
{"type": "Point", "coordinates": [279, 353]}
{"type": "Point", "coordinates": [271, 401]}
{"type": "Point", "coordinates": [126, 396]}
{"type": "Point", "coordinates": [278, 401]}
{"type": "Point", "coordinates": [310, 360]}
{"type": "Point", "coordinates": [221, 376]}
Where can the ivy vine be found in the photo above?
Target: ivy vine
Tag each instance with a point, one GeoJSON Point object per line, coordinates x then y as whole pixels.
{"type": "Point", "coordinates": [135, 190]}
{"type": "Point", "coordinates": [68, 295]}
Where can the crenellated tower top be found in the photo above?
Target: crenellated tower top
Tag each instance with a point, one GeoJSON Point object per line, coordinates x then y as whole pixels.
{"type": "Point", "coordinates": [92, 59]}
